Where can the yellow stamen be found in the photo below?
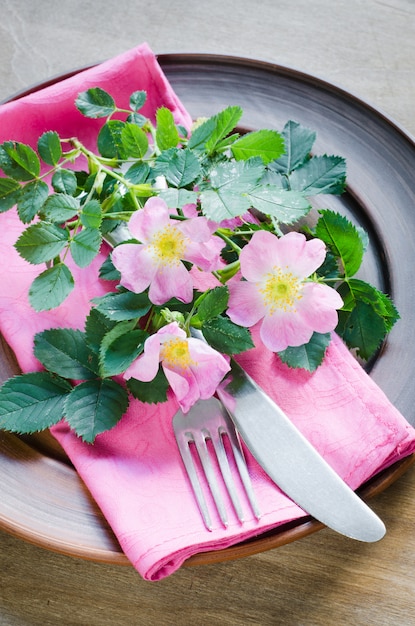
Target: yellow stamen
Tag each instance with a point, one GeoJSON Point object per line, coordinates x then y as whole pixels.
{"type": "Point", "coordinates": [281, 290]}
{"type": "Point", "coordinates": [169, 245]}
{"type": "Point", "coordinates": [175, 353]}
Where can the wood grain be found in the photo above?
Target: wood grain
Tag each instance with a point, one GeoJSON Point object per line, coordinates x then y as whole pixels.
{"type": "Point", "coordinates": [321, 580]}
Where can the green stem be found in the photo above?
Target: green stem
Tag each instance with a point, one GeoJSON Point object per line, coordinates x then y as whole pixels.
{"type": "Point", "coordinates": [229, 241]}
{"type": "Point", "coordinates": [229, 271]}
{"type": "Point", "coordinates": [133, 189]}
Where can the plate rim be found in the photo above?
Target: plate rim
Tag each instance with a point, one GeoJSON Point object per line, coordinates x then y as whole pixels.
{"type": "Point", "coordinates": [304, 526]}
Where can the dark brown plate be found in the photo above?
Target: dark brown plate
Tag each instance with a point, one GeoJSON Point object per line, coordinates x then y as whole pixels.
{"type": "Point", "coordinates": [43, 500]}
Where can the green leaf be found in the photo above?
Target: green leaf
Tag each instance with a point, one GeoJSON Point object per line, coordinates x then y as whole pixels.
{"type": "Point", "coordinates": [123, 306]}
{"type": "Point", "coordinates": [137, 119]}
{"type": "Point", "coordinates": [308, 356]}
{"type": "Point", "coordinates": [96, 327]}
{"type": "Point", "coordinates": [213, 304]}
{"type": "Point", "coordinates": [184, 169]}
{"type": "Point", "coordinates": [356, 290]}
{"type": "Point", "coordinates": [386, 308]}
{"type": "Point", "coordinates": [85, 246]}
{"type": "Point", "coordinates": [9, 193]}
{"type": "Point", "coordinates": [138, 173]}
{"type": "Point", "coordinates": [60, 207]}
{"type": "Point", "coordinates": [23, 160]}
{"type": "Point", "coordinates": [364, 236]}
{"type": "Point", "coordinates": [201, 134]}
{"type": "Point", "coordinates": [24, 156]}
{"type": "Point", "coordinates": [177, 198]}
{"type": "Point", "coordinates": [152, 392]}
{"type": "Point", "coordinates": [32, 402]}
{"type": "Point", "coordinates": [137, 100]}
{"type": "Point", "coordinates": [41, 242]}
{"type": "Point", "coordinates": [241, 177]}
{"type": "Point", "coordinates": [167, 135]}
{"type": "Point", "coordinates": [267, 144]}
{"type": "Point", "coordinates": [51, 288]}
{"type": "Point", "coordinates": [227, 337]}
{"type": "Point", "coordinates": [330, 267]}
{"type": "Point", "coordinates": [49, 147]}
{"type": "Point", "coordinates": [116, 331]}
{"type": "Point", "coordinates": [271, 177]}
{"type": "Point", "coordinates": [64, 351]}
{"type": "Point", "coordinates": [134, 139]}
{"type": "Point", "coordinates": [284, 205]}
{"type": "Point", "coordinates": [110, 140]}
{"type": "Point", "coordinates": [95, 406]}
{"type": "Point", "coordinates": [107, 271]}
{"type": "Point", "coordinates": [95, 103]}
{"type": "Point", "coordinates": [343, 239]}
{"type": "Point", "coordinates": [219, 205]}
{"type": "Point", "coordinates": [321, 174]}
{"type": "Point", "coordinates": [118, 354]}
{"type": "Point", "coordinates": [180, 167]}
{"type": "Point", "coordinates": [226, 144]}
{"type": "Point", "coordinates": [64, 181]}
{"type": "Point", "coordinates": [230, 185]}
{"type": "Point", "coordinates": [362, 328]}
{"type": "Point", "coordinates": [31, 200]}
{"type": "Point", "coordinates": [225, 122]}
{"type": "Point", "coordinates": [91, 214]}
{"type": "Point", "coordinates": [183, 131]}
{"type": "Point", "coordinates": [298, 141]}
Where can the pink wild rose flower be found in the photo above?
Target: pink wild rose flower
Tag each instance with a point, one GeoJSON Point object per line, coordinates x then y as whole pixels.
{"type": "Point", "coordinates": [276, 290]}
{"type": "Point", "coordinates": [192, 368]}
{"type": "Point", "coordinates": [164, 243]}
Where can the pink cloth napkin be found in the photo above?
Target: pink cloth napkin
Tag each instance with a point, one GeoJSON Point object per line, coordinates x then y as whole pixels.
{"type": "Point", "coordinates": [134, 471]}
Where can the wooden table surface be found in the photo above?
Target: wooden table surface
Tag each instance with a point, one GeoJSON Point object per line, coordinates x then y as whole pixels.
{"type": "Point", "coordinates": [367, 47]}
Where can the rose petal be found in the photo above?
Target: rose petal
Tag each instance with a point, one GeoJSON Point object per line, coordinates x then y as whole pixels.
{"type": "Point", "coordinates": [210, 368]}
{"type": "Point", "coordinates": [317, 308]}
{"type": "Point", "coordinates": [196, 229]}
{"type": "Point", "coordinates": [154, 216]}
{"type": "Point", "coordinates": [135, 264]}
{"type": "Point", "coordinates": [246, 306]}
{"type": "Point", "coordinates": [259, 256]}
{"type": "Point", "coordinates": [184, 387]}
{"type": "Point", "coordinates": [171, 281]}
{"type": "Point", "coordinates": [280, 330]}
{"type": "Point", "coordinates": [299, 256]}
{"type": "Point", "coordinates": [205, 255]}
{"type": "Point", "coordinates": [146, 366]}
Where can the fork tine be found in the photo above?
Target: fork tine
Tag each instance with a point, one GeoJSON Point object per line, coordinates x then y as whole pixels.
{"type": "Point", "coordinates": [209, 420]}
{"type": "Point", "coordinates": [239, 457]}
{"type": "Point", "coordinates": [228, 479]}
{"type": "Point", "coordinates": [190, 429]}
{"type": "Point", "coordinates": [183, 445]}
{"type": "Point", "coordinates": [205, 459]}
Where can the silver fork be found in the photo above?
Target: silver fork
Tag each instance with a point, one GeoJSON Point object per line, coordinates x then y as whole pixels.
{"type": "Point", "coordinates": [209, 420]}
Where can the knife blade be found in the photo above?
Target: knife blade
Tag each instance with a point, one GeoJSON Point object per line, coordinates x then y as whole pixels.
{"type": "Point", "coordinates": [292, 462]}
{"type": "Point", "coordinates": [285, 454]}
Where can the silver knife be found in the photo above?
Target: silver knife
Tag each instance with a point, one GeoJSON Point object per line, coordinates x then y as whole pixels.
{"type": "Point", "coordinates": [286, 455]}
{"type": "Point", "coordinates": [292, 462]}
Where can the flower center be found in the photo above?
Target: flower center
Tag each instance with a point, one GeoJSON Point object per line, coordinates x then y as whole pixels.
{"type": "Point", "coordinates": [168, 245]}
{"type": "Point", "coordinates": [281, 290]}
{"type": "Point", "coordinates": [175, 353]}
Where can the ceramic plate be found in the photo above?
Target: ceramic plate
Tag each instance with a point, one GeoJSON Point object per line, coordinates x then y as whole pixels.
{"type": "Point", "coordinates": [43, 500]}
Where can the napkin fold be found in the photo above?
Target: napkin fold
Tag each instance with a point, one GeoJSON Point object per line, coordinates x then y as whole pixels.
{"type": "Point", "coordinates": [134, 471]}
